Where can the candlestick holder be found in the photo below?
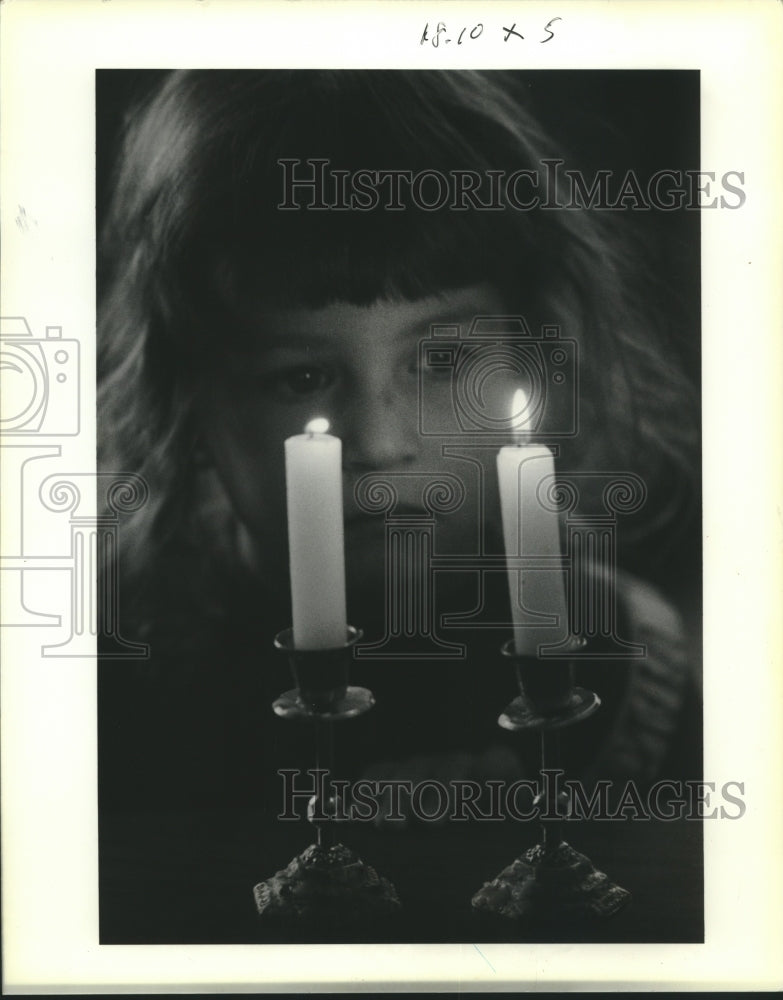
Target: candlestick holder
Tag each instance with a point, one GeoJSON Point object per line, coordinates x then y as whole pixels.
{"type": "Point", "coordinates": [326, 888]}
{"type": "Point", "coordinates": [550, 880]}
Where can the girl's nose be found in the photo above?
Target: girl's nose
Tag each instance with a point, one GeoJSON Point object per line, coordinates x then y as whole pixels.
{"type": "Point", "coordinates": [379, 432]}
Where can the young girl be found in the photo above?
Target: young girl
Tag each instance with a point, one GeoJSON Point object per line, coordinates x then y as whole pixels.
{"type": "Point", "coordinates": [278, 247]}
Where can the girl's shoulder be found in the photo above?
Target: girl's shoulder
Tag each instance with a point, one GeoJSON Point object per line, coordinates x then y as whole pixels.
{"type": "Point", "coordinates": [662, 683]}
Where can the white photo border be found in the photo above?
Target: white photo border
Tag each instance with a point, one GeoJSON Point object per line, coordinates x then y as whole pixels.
{"type": "Point", "coordinates": [50, 52]}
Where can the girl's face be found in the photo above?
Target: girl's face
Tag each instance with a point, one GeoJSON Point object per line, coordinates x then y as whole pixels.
{"type": "Point", "coordinates": [359, 367]}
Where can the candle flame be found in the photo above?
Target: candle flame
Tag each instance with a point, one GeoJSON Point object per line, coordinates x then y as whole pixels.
{"type": "Point", "coordinates": [319, 425]}
{"type": "Point", "coordinates": [519, 417]}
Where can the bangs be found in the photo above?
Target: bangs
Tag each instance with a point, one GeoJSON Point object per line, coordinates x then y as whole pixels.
{"type": "Point", "coordinates": [313, 259]}
{"type": "Point", "coordinates": [253, 233]}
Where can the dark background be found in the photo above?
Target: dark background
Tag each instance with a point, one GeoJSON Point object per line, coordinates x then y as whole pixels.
{"type": "Point", "coordinates": [185, 877]}
{"type": "Point", "coordinates": [617, 120]}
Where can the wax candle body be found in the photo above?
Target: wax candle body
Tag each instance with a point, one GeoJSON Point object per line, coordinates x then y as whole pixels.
{"type": "Point", "coordinates": [530, 530]}
{"type": "Point", "coordinates": [313, 465]}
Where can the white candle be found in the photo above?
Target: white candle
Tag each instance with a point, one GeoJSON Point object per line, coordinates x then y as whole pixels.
{"type": "Point", "coordinates": [538, 601]}
{"type": "Point", "coordinates": [314, 487]}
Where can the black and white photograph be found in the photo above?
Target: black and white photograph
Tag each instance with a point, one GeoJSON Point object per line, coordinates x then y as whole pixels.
{"type": "Point", "coordinates": [392, 559]}
{"type": "Point", "coordinates": [376, 351]}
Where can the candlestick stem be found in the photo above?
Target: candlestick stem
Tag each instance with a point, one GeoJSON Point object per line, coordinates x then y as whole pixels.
{"type": "Point", "coordinates": [551, 803]}
{"type": "Point", "coordinates": [322, 810]}
{"type": "Point", "coordinates": [327, 888]}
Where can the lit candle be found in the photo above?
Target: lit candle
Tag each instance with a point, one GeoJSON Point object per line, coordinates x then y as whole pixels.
{"type": "Point", "coordinates": [538, 602]}
{"type": "Point", "coordinates": [313, 471]}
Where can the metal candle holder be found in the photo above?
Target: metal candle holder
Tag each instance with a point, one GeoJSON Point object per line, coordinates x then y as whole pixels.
{"type": "Point", "coordinates": [327, 884]}
{"type": "Point", "coordinates": [550, 879]}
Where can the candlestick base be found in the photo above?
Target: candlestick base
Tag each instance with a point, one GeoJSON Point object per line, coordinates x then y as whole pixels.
{"type": "Point", "coordinates": [551, 879]}
{"type": "Point", "coordinates": [327, 888]}
{"type": "Point", "coordinates": [550, 884]}
{"type": "Point", "coordinates": [352, 702]}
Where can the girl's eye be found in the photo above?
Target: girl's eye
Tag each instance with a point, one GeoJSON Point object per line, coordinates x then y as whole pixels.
{"type": "Point", "coordinates": [302, 380]}
{"type": "Point", "coordinates": [437, 365]}
{"type": "Point", "coordinates": [305, 380]}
